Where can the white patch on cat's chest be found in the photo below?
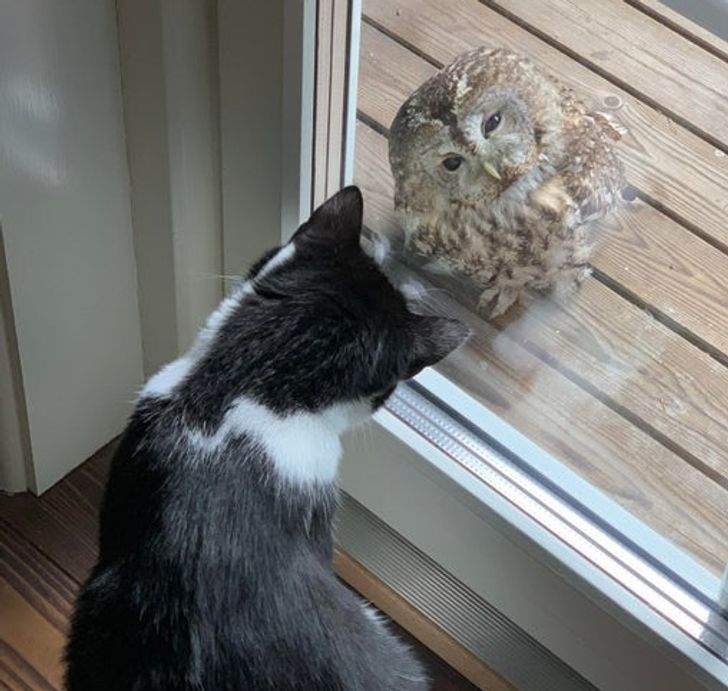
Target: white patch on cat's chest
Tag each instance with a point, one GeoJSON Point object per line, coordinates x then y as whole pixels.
{"type": "Point", "coordinates": [305, 447]}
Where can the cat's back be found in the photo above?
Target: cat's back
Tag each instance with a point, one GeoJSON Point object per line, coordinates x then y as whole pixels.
{"type": "Point", "coordinates": [201, 581]}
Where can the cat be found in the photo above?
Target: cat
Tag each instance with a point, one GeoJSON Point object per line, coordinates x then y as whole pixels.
{"type": "Point", "coordinates": [215, 563]}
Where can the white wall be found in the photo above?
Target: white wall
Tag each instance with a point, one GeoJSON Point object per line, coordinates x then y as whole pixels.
{"type": "Point", "coordinates": [64, 205]}
{"type": "Point", "coordinates": [170, 92]}
{"type": "Point", "coordinates": [251, 94]}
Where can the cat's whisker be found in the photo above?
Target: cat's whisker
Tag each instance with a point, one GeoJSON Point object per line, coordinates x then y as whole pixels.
{"type": "Point", "coordinates": [225, 277]}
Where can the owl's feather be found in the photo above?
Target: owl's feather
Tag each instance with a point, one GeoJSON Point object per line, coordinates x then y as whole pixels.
{"type": "Point", "coordinates": [592, 173]}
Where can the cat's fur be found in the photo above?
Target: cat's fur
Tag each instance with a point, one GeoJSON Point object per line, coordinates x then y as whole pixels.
{"type": "Point", "coordinates": [215, 548]}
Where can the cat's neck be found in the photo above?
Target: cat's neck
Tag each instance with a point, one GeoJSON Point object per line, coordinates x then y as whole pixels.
{"type": "Point", "coordinates": [303, 447]}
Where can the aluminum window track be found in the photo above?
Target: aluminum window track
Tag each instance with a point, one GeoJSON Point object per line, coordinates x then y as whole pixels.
{"type": "Point", "coordinates": [684, 594]}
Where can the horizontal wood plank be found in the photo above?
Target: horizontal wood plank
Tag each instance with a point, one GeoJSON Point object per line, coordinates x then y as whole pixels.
{"type": "Point", "coordinates": [641, 54]}
{"type": "Point", "coordinates": [651, 256]}
{"type": "Point", "coordinates": [41, 528]}
{"type": "Point", "coordinates": [46, 587]}
{"type": "Point", "coordinates": [666, 162]}
{"type": "Point", "coordinates": [35, 600]}
{"type": "Point", "coordinates": [631, 466]}
{"type": "Point", "coordinates": [684, 26]}
{"type": "Point", "coordinates": [18, 669]}
{"type": "Point", "coordinates": [627, 357]}
{"type": "Point", "coordinates": [667, 268]}
{"type": "Point", "coordinates": [63, 522]}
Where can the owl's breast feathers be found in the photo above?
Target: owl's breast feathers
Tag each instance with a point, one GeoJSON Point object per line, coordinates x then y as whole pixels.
{"type": "Point", "coordinates": [592, 174]}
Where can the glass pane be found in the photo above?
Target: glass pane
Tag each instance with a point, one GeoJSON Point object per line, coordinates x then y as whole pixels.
{"type": "Point", "coordinates": [572, 210]}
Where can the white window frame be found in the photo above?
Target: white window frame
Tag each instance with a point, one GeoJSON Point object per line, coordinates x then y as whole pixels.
{"type": "Point", "coordinates": [570, 605]}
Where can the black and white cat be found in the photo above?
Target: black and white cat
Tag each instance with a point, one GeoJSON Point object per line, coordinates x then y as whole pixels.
{"type": "Point", "coordinates": [215, 570]}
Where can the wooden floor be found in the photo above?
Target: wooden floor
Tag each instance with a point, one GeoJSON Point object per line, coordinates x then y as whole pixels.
{"type": "Point", "coordinates": [47, 547]}
{"type": "Point", "coordinates": [627, 381]}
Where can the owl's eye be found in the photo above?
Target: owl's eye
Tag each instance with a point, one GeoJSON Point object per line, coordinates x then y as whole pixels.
{"type": "Point", "coordinates": [491, 123]}
{"type": "Point", "coordinates": [452, 163]}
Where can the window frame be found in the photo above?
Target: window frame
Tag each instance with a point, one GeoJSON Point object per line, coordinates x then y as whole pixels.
{"type": "Point", "coordinates": [569, 605]}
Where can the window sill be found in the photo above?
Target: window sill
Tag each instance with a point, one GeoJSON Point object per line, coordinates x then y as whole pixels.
{"type": "Point", "coordinates": [476, 531]}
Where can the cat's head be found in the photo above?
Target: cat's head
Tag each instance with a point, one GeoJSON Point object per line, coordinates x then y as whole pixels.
{"type": "Point", "coordinates": [329, 324]}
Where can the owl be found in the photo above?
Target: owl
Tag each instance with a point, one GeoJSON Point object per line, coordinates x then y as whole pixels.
{"type": "Point", "coordinates": [499, 171]}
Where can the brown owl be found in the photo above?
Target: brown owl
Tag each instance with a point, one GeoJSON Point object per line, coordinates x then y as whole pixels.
{"type": "Point", "coordinates": [498, 171]}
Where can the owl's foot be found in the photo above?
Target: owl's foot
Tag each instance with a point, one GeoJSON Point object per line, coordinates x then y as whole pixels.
{"type": "Point", "coordinates": [495, 302]}
{"type": "Point", "coordinates": [581, 273]}
{"type": "Point", "coordinates": [439, 266]}
{"type": "Point", "coordinates": [570, 280]}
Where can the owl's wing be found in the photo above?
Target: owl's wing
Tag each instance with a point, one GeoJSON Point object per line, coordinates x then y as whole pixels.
{"type": "Point", "coordinates": [591, 171]}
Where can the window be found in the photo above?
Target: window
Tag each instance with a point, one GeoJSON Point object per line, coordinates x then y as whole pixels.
{"type": "Point", "coordinates": [570, 464]}
{"type": "Point", "coordinates": [622, 381]}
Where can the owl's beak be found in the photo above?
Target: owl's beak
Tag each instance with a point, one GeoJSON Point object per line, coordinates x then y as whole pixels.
{"type": "Point", "coordinates": [491, 170]}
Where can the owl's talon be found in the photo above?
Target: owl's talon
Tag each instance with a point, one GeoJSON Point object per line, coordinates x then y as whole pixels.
{"type": "Point", "coordinates": [584, 273]}
{"type": "Point", "coordinates": [504, 298]}
{"type": "Point", "coordinates": [439, 266]}
{"type": "Point", "coordinates": [485, 300]}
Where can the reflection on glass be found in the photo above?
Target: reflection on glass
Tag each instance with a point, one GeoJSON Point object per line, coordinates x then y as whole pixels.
{"type": "Point", "coordinates": [564, 197]}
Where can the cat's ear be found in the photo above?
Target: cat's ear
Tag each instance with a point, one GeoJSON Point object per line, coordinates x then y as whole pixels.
{"type": "Point", "coordinates": [337, 222]}
{"type": "Point", "coordinates": [434, 339]}
{"type": "Point", "coordinates": [346, 206]}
